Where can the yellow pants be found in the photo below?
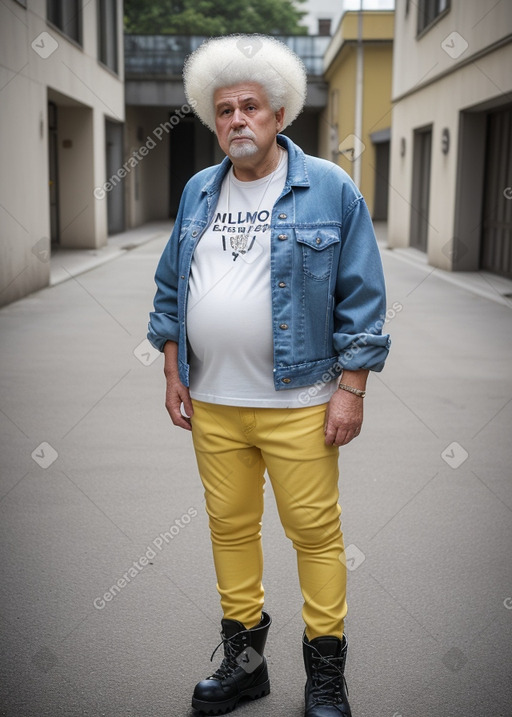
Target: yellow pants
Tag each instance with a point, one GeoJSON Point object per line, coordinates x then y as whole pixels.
{"type": "Point", "coordinates": [233, 447]}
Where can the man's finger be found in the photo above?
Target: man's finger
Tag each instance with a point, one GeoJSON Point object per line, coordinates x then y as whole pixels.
{"type": "Point", "coordinates": [187, 405]}
{"type": "Point", "coordinates": [180, 420]}
{"type": "Point", "coordinates": [330, 434]}
{"type": "Point", "coordinates": [177, 417]}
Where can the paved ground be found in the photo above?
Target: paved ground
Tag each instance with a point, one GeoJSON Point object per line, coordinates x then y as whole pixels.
{"type": "Point", "coordinates": [99, 490]}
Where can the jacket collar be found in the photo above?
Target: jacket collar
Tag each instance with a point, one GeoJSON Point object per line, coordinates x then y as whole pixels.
{"type": "Point", "coordinates": [297, 171]}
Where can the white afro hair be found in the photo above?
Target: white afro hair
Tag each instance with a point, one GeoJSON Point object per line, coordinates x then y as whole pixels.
{"type": "Point", "coordinates": [227, 61]}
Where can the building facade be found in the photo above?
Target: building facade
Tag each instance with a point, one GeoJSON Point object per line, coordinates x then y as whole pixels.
{"type": "Point", "coordinates": [451, 160]}
{"type": "Point", "coordinates": [355, 128]}
{"type": "Point", "coordinates": [322, 17]}
{"type": "Point", "coordinates": [62, 113]}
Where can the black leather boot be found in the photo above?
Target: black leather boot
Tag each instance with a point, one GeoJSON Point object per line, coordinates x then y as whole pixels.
{"type": "Point", "coordinates": [324, 660]}
{"type": "Point", "coordinates": [242, 673]}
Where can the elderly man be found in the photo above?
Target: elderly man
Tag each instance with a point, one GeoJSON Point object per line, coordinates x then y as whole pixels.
{"type": "Point", "coordinates": [269, 290]}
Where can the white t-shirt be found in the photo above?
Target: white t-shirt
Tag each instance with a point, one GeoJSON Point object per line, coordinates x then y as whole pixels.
{"type": "Point", "coordinates": [229, 314]}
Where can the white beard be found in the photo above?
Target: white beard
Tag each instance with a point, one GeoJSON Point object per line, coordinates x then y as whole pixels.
{"type": "Point", "coordinates": [247, 149]}
{"type": "Point", "coordinates": [243, 149]}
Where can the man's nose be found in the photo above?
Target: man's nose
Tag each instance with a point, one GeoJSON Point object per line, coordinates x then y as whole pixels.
{"type": "Point", "coordinates": [238, 119]}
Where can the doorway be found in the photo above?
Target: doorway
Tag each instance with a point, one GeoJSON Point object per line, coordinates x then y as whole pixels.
{"type": "Point", "coordinates": [53, 173]}
{"type": "Point", "coordinates": [496, 240]}
{"type": "Point", "coordinates": [380, 203]}
{"type": "Point", "coordinates": [182, 149]}
{"type": "Point", "coordinates": [420, 198]}
{"type": "Point", "coordinates": [115, 197]}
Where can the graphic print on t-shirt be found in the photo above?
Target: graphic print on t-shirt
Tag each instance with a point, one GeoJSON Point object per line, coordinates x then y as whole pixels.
{"type": "Point", "coordinates": [239, 231]}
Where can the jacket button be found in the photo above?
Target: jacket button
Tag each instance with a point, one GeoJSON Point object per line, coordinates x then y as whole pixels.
{"type": "Point", "coordinates": [282, 237]}
{"type": "Point", "coordinates": [283, 216]}
{"type": "Point", "coordinates": [283, 326]}
{"type": "Point", "coordinates": [286, 380]}
{"type": "Point", "coordinates": [183, 276]}
{"type": "Point", "coordinates": [318, 240]}
{"type": "Point", "coordinates": [282, 284]}
{"type": "Point", "coordinates": [195, 233]}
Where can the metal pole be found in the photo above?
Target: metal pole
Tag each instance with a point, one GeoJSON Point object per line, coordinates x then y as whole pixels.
{"type": "Point", "coordinates": [358, 113]}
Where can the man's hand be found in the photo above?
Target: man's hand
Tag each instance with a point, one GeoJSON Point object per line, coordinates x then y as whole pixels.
{"type": "Point", "coordinates": [344, 415]}
{"type": "Point", "coordinates": [176, 393]}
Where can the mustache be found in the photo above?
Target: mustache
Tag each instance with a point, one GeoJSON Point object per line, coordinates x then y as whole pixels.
{"type": "Point", "coordinates": [241, 133]}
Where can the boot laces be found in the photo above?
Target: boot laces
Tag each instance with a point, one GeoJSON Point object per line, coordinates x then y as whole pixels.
{"type": "Point", "coordinates": [232, 649]}
{"type": "Point", "coordinates": [328, 679]}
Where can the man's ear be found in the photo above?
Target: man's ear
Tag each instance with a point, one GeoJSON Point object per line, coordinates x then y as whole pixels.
{"type": "Point", "coordinates": [280, 119]}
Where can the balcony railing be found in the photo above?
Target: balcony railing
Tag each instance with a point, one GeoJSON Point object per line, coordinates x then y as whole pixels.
{"type": "Point", "coordinates": [164, 55]}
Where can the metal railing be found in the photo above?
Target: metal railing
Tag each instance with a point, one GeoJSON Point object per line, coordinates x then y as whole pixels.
{"type": "Point", "coordinates": [164, 55]}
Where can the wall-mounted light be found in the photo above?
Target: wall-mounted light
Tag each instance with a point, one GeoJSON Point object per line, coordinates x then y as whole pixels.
{"type": "Point", "coordinates": [402, 146]}
{"type": "Point", "coordinates": [445, 141]}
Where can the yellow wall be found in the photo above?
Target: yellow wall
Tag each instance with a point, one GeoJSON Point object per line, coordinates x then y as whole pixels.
{"type": "Point", "coordinates": [376, 110]}
{"type": "Point", "coordinates": [340, 75]}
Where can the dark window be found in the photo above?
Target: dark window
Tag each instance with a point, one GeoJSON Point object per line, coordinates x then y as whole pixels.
{"type": "Point", "coordinates": [107, 33]}
{"type": "Point", "coordinates": [67, 16]}
{"type": "Point", "coordinates": [324, 27]}
{"type": "Point", "coordinates": [429, 11]}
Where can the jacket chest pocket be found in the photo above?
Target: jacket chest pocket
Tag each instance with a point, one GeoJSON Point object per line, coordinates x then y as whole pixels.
{"type": "Point", "coordinates": [318, 246]}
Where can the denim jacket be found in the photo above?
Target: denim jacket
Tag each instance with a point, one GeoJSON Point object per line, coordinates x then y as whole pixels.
{"type": "Point", "coordinates": [327, 285]}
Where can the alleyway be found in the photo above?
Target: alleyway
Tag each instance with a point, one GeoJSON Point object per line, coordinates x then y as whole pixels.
{"type": "Point", "coordinates": [107, 594]}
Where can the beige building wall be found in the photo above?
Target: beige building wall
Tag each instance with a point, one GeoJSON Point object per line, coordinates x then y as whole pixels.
{"type": "Point", "coordinates": [460, 65]}
{"type": "Point", "coordinates": [38, 64]}
{"type": "Point", "coordinates": [420, 59]}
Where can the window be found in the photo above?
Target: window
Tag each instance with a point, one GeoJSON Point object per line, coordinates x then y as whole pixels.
{"type": "Point", "coordinates": [107, 34]}
{"type": "Point", "coordinates": [429, 11]}
{"type": "Point", "coordinates": [324, 27]}
{"type": "Point", "coordinates": [67, 16]}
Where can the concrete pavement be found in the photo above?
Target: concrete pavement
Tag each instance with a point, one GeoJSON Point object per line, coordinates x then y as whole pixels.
{"type": "Point", "coordinates": [107, 598]}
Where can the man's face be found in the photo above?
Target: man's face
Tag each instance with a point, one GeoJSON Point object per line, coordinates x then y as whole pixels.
{"type": "Point", "coordinates": [245, 124]}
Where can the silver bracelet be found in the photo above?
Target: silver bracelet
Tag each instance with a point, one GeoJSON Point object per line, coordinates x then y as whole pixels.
{"type": "Point", "coordinates": [351, 389]}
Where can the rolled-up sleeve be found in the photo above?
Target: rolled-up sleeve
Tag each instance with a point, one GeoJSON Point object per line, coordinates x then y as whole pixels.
{"type": "Point", "coordinates": [360, 310]}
